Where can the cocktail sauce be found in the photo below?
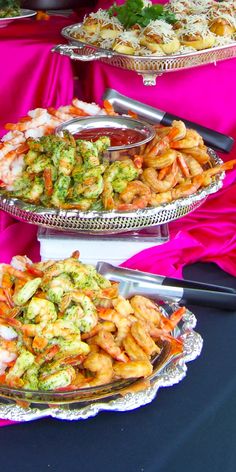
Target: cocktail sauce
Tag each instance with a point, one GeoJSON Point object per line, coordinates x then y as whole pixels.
{"type": "Point", "coordinates": [118, 136]}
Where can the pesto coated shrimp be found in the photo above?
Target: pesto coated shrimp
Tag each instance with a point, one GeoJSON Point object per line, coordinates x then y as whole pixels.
{"type": "Point", "coordinates": [83, 312]}
{"type": "Point", "coordinates": [116, 177]}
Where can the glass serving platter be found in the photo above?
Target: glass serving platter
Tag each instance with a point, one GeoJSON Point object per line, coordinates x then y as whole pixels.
{"type": "Point", "coordinates": [24, 14]}
{"type": "Point", "coordinates": [169, 368]}
{"type": "Point", "coordinates": [149, 67]}
{"type": "Point", "coordinates": [109, 222]}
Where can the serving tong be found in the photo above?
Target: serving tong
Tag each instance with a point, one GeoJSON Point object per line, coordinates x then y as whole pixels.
{"type": "Point", "coordinates": [122, 104]}
{"type": "Point", "coordinates": [132, 282]}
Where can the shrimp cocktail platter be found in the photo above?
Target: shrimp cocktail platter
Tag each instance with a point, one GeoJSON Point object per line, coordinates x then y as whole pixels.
{"type": "Point", "coordinates": [85, 168]}
{"type": "Point", "coordinates": [71, 345]}
{"type": "Point", "coordinates": [151, 39]}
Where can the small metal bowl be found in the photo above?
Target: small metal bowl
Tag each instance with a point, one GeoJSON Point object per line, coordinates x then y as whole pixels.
{"type": "Point", "coordinates": [78, 125]}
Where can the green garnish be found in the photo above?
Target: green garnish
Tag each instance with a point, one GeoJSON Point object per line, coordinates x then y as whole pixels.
{"type": "Point", "coordinates": [9, 8]}
{"type": "Point", "coordinates": [134, 12]}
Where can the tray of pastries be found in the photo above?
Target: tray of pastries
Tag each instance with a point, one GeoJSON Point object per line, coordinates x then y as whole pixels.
{"type": "Point", "coordinates": [154, 39]}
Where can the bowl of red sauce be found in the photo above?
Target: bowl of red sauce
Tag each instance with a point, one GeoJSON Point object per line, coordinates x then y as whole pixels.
{"type": "Point", "coordinates": [127, 135]}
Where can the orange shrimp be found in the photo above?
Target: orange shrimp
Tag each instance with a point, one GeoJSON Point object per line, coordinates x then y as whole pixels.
{"type": "Point", "coordinates": [136, 195]}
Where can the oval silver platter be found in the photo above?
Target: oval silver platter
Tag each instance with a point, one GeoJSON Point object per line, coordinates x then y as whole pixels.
{"type": "Point", "coordinates": [149, 67]}
{"type": "Point", "coordinates": [23, 14]}
{"type": "Point", "coordinates": [108, 222]}
{"type": "Point", "coordinates": [167, 373]}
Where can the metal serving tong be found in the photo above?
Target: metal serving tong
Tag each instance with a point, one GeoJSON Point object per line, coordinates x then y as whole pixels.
{"type": "Point", "coordinates": [133, 282]}
{"type": "Point", "coordinates": [121, 104]}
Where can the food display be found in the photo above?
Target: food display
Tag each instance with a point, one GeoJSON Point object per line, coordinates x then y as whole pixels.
{"type": "Point", "coordinates": [63, 326]}
{"type": "Point", "coordinates": [141, 28]}
{"type": "Point", "coordinates": [9, 8]}
{"type": "Point", "coordinates": [64, 172]}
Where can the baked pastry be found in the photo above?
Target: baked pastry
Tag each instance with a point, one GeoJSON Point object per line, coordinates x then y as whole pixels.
{"type": "Point", "coordinates": [160, 36]}
{"type": "Point", "coordinates": [93, 22]}
{"type": "Point", "coordinates": [222, 20]}
{"type": "Point", "coordinates": [111, 28]}
{"type": "Point", "coordinates": [126, 43]}
{"type": "Point", "coordinates": [196, 33]}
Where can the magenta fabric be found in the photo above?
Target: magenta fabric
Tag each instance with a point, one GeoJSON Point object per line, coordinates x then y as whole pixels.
{"type": "Point", "coordinates": [206, 95]}
{"type": "Point", "coordinates": [31, 75]}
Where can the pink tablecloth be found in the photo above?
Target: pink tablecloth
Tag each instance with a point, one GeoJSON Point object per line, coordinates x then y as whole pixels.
{"type": "Point", "coordinates": [31, 76]}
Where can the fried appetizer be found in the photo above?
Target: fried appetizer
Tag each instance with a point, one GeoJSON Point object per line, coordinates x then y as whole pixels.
{"type": "Point", "coordinates": [126, 43]}
{"type": "Point", "coordinates": [159, 36]}
{"type": "Point", "coordinates": [196, 33]}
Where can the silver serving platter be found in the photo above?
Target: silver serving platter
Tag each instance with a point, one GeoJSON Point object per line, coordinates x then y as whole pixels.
{"type": "Point", "coordinates": [108, 222]}
{"type": "Point", "coordinates": [170, 373]}
{"type": "Point", "coordinates": [149, 67]}
{"type": "Point", "coordinates": [24, 14]}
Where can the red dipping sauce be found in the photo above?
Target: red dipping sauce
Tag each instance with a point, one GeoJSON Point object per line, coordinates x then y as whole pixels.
{"type": "Point", "coordinates": [118, 136]}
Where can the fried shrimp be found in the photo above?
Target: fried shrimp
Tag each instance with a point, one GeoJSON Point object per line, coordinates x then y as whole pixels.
{"type": "Point", "coordinates": [132, 369]}
{"type": "Point", "coordinates": [136, 195]}
{"type": "Point", "coordinates": [145, 309]}
{"type": "Point", "coordinates": [100, 365]}
{"type": "Point", "coordinates": [151, 177]}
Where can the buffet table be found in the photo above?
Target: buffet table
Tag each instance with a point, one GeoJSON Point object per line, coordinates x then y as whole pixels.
{"type": "Point", "coordinates": [188, 426]}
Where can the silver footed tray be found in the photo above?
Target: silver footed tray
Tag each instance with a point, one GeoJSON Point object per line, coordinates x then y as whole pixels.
{"type": "Point", "coordinates": [149, 67]}
{"type": "Point", "coordinates": [113, 221]}
{"type": "Point", "coordinates": [169, 369]}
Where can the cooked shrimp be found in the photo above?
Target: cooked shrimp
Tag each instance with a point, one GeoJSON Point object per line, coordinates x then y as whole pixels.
{"type": "Point", "coordinates": [136, 195]}
{"type": "Point", "coordinates": [100, 365]}
{"type": "Point", "coordinates": [133, 349]}
{"type": "Point", "coordinates": [157, 146]}
{"type": "Point", "coordinates": [209, 173]}
{"type": "Point", "coordinates": [159, 161]}
{"type": "Point", "coordinates": [62, 377]}
{"type": "Point", "coordinates": [27, 291]}
{"type": "Point", "coordinates": [151, 177]}
{"type": "Point", "coordinates": [41, 311]}
{"type": "Point", "coordinates": [106, 341]}
{"type": "Point", "coordinates": [37, 117]}
{"type": "Point", "coordinates": [84, 313]}
{"type": "Point", "coordinates": [199, 153]}
{"type": "Point", "coordinates": [142, 337]}
{"type": "Point", "coordinates": [194, 166]}
{"type": "Point", "coordinates": [88, 108]}
{"type": "Point", "coordinates": [146, 310]}
{"type": "Point", "coordinates": [184, 189]}
{"type": "Point", "coordinates": [132, 369]}
{"type": "Point", "coordinates": [122, 323]}
{"type": "Point", "coordinates": [23, 362]}
{"type": "Point", "coordinates": [191, 139]}
{"type": "Point", "coordinates": [122, 306]}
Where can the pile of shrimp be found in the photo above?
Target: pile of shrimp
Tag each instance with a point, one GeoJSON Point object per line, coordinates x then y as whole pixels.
{"type": "Point", "coordinates": [63, 326]}
{"type": "Point", "coordinates": [175, 164]}
{"type": "Point", "coordinates": [37, 123]}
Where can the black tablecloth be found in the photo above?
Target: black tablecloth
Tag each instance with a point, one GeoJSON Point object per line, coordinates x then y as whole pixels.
{"type": "Point", "coordinates": [188, 427]}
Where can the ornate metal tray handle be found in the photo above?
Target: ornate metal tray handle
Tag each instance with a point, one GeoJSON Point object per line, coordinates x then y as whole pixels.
{"type": "Point", "coordinates": [70, 51]}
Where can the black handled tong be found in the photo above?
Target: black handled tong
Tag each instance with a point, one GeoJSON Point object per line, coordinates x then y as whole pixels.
{"type": "Point", "coordinates": [122, 104]}
{"type": "Point", "coordinates": [133, 282]}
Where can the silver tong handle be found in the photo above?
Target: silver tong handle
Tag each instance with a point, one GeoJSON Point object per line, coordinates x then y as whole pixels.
{"type": "Point", "coordinates": [69, 50]}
